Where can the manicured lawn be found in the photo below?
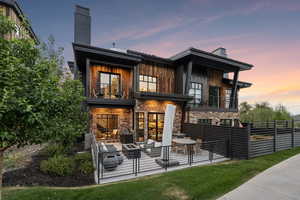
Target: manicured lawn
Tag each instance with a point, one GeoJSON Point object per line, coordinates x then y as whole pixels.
{"type": "Point", "coordinates": [208, 182]}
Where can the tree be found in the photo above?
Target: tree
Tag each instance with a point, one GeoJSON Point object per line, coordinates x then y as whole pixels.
{"type": "Point", "coordinates": [35, 105]}
{"type": "Point", "coordinates": [263, 112]}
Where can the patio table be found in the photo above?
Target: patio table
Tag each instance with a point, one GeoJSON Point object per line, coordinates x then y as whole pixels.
{"type": "Point", "coordinates": [183, 141]}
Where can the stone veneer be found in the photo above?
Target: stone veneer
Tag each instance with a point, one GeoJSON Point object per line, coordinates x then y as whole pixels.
{"type": "Point", "coordinates": [147, 106]}
{"type": "Point", "coordinates": [193, 116]}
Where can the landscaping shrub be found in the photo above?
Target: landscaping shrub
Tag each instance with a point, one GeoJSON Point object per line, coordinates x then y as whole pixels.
{"type": "Point", "coordinates": [84, 161]}
{"type": "Point", "coordinates": [83, 157]}
{"type": "Point", "coordinates": [86, 167]}
{"type": "Point", "coordinates": [58, 165]}
{"type": "Point", "coordinates": [54, 149]}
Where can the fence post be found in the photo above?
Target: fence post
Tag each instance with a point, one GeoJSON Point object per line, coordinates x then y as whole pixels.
{"type": "Point", "coordinates": [249, 140]}
{"type": "Point", "coordinates": [275, 136]}
{"type": "Point", "coordinates": [293, 134]}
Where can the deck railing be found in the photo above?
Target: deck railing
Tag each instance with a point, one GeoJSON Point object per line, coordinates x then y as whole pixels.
{"type": "Point", "coordinates": [215, 102]}
{"type": "Point", "coordinates": [161, 159]}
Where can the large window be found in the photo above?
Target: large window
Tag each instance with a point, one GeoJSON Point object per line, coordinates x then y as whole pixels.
{"type": "Point", "coordinates": [107, 126]}
{"type": "Point", "coordinates": [140, 126]}
{"type": "Point", "coordinates": [155, 126]}
{"type": "Point", "coordinates": [148, 83]}
{"type": "Point", "coordinates": [214, 96]}
{"type": "Point", "coordinates": [226, 122]}
{"type": "Point", "coordinates": [228, 97]}
{"type": "Point", "coordinates": [140, 121]}
{"type": "Point", "coordinates": [109, 85]}
{"type": "Point", "coordinates": [196, 92]}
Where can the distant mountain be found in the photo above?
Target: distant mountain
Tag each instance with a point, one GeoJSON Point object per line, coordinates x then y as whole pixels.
{"type": "Point", "coordinates": [296, 117]}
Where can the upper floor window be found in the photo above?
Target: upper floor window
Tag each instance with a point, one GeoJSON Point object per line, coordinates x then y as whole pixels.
{"type": "Point", "coordinates": [109, 85]}
{"type": "Point", "coordinates": [214, 96]}
{"type": "Point", "coordinates": [227, 97]}
{"type": "Point", "coordinates": [148, 83]}
{"type": "Point", "coordinates": [196, 92]}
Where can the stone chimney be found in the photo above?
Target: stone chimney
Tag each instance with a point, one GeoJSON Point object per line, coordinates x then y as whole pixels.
{"type": "Point", "coordinates": [82, 31]}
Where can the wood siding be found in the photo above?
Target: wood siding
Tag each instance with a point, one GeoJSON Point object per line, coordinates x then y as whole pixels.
{"type": "Point", "coordinates": [12, 15]}
{"type": "Point", "coordinates": [126, 76]}
{"type": "Point", "coordinates": [210, 77]}
{"type": "Point", "coordinates": [165, 76]}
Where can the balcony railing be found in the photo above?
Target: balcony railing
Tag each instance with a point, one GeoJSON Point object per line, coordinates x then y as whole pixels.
{"type": "Point", "coordinates": [121, 94]}
{"type": "Point", "coordinates": [215, 103]}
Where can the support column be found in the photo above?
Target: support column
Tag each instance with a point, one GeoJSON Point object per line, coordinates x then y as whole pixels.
{"type": "Point", "coordinates": [188, 77]}
{"type": "Point", "coordinates": [234, 90]}
{"type": "Point", "coordinates": [87, 78]}
{"type": "Point", "coordinates": [136, 78]}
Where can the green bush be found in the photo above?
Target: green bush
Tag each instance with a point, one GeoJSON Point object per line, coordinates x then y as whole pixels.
{"type": "Point", "coordinates": [83, 157]}
{"type": "Point", "coordinates": [58, 165]}
{"type": "Point", "coordinates": [86, 167]}
{"type": "Point", "coordinates": [54, 149]}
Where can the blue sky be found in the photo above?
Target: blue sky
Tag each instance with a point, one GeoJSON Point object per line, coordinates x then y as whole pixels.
{"type": "Point", "coordinates": [264, 33]}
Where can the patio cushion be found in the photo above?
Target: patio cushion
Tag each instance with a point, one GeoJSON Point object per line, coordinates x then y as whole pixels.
{"type": "Point", "coordinates": [157, 144]}
{"type": "Point", "coordinates": [148, 150]}
{"type": "Point", "coordinates": [150, 141]}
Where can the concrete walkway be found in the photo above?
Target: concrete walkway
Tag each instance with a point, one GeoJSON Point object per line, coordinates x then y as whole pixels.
{"type": "Point", "coordinates": [281, 182]}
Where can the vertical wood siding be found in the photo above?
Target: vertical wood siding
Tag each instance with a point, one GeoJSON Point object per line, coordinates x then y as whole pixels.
{"type": "Point", "coordinates": [126, 76]}
{"type": "Point", "coordinates": [165, 76]}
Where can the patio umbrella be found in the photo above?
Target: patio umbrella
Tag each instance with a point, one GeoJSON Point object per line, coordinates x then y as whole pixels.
{"type": "Point", "coordinates": [167, 131]}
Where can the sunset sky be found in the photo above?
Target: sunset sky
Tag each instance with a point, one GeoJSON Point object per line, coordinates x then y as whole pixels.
{"type": "Point", "coordinates": [265, 33]}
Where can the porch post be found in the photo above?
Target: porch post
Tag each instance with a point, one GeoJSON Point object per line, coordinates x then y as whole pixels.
{"type": "Point", "coordinates": [188, 77]}
{"type": "Point", "coordinates": [136, 78]}
{"type": "Point", "coordinates": [234, 89]}
{"type": "Point", "coordinates": [87, 81]}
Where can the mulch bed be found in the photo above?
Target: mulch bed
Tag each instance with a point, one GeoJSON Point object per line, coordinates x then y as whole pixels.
{"type": "Point", "coordinates": [31, 175]}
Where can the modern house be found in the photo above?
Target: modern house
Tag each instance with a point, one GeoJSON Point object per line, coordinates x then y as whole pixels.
{"type": "Point", "coordinates": [127, 88]}
{"type": "Point", "coordinates": [13, 11]}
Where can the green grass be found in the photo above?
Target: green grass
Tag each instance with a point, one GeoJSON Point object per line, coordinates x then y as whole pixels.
{"type": "Point", "coordinates": [207, 182]}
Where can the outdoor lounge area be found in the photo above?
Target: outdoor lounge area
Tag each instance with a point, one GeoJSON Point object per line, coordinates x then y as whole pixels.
{"type": "Point", "coordinates": [116, 161]}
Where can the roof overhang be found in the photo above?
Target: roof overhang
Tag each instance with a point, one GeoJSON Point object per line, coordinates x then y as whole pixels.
{"type": "Point", "coordinates": [14, 5]}
{"type": "Point", "coordinates": [212, 60]}
{"type": "Point", "coordinates": [240, 83]}
{"type": "Point", "coordinates": [106, 56]}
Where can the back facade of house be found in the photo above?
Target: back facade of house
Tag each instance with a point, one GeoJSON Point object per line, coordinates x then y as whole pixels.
{"type": "Point", "coordinates": [130, 89]}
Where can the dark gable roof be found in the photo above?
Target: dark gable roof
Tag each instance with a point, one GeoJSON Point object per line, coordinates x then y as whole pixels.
{"type": "Point", "coordinates": [14, 4]}
{"type": "Point", "coordinates": [106, 52]}
{"type": "Point", "coordinates": [241, 84]}
{"type": "Point", "coordinates": [211, 56]}
{"type": "Point", "coordinates": [150, 57]}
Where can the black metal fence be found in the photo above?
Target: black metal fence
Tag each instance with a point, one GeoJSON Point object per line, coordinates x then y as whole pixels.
{"type": "Point", "coordinates": [161, 159]}
{"type": "Point", "coordinates": [258, 138]}
{"type": "Point", "coordinates": [269, 137]}
{"type": "Point", "coordinates": [235, 137]}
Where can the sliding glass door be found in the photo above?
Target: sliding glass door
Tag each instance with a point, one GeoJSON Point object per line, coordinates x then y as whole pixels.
{"type": "Point", "coordinates": [107, 126]}
{"type": "Point", "coordinates": [109, 85]}
{"type": "Point", "coordinates": [155, 126]}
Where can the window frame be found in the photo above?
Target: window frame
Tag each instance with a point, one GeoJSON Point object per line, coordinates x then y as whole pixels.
{"type": "Point", "coordinates": [227, 99]}
{"type": "Point", "coordinates": [110, 83]}
{"type": "Point", "coordinates": [205, 121]}
{"type": "Point", "coordinates": [194, 102]}
{"type": "Point", "coordinates": [223, 122]}
{"type": "Point", "coordinates": [148, 82]}
{"type": "Point", "coordinates": [211, 104]}
{"type": "Point", "coordinates": [140, 119]}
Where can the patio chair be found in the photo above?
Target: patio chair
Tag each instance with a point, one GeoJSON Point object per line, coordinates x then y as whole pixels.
{"type": "Point", "coordinates": [148, 144]}
{"type": "Point", "coordinates": [155, 151]}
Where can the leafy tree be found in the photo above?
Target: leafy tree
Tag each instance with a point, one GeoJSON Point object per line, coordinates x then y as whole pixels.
{"type": "Point", "coordinates": [263, 112]}
{"type": "Point", "coordinates": [35, 105]}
